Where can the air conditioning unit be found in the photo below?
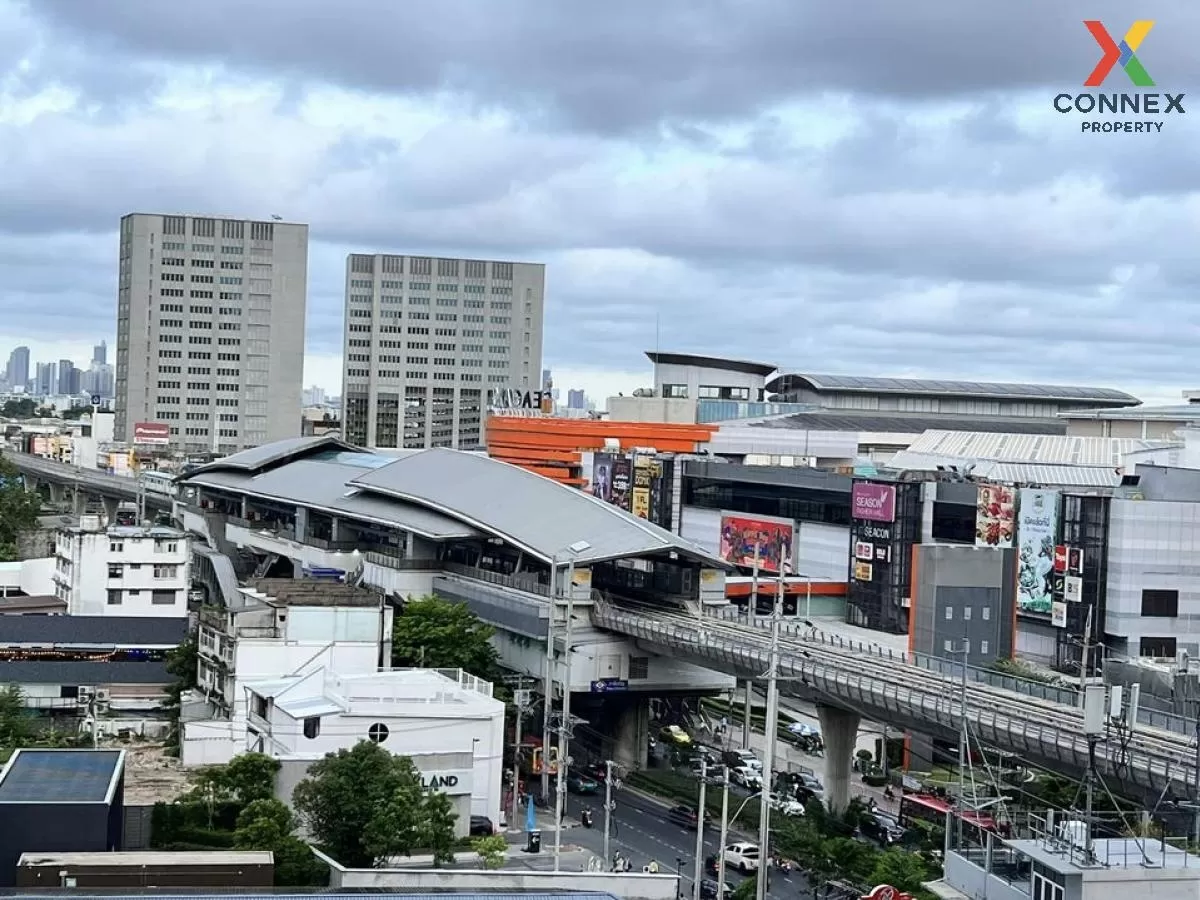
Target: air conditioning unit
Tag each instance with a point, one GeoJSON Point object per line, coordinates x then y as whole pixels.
{"type": "Point", "coordinates": [84, 696]}
{"type": "Point", "coordinates": [101, 695]}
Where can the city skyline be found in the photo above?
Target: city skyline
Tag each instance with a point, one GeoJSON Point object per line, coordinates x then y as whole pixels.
{"type": "Point", "coordinates": [22, 372]}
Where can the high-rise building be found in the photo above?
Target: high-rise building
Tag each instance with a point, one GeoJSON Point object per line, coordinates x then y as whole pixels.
{"type": "Point", "coordinates": [100, 353]}
{"type": "Point", "coordinates": [576, 399]}
{"type": "Point", "coordinates": [46, 381]}
{"type": "Point", "coordinates": [210, 329]}
{"type": "Point", "coordinates": [17, 373]}
{"type": "Point", "coordinates": [68, 378]}
{"type": "Point", "coordinates": [427, 339]}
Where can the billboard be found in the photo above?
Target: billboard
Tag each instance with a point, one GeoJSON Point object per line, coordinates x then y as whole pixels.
{"type": "Point", "coordinates": [1058, 614]}
{"type": "Point", "coordinates": [151, 433]}
{"type": "Point", "coordinates": [874, 502]}
{"type": "Point", "coordinates": [994, 515]}
{"type": "Point", "coordinates": [622, 482]}
{"type": "Point", "coordinates": [741, 534]}
{"type": "Point", "coordinates": [646, 470]}
{"type": "Point", "coordinates": [602, 465]}
{"type": "Point", "coordinates": [863, 571]}
{"type": "Point", "coordinates": [1037, 525]}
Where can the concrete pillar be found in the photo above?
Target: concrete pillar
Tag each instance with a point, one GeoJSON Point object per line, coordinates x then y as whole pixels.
{"type": "Point", "coordinates": [335, 529]}
{"type": "Point", "coordinates": [839, 729]}
{"type": "Point", "coordinates": [31, 483]}
{"type": "Point", "coordinates": [79, 502]}
{"type": "Point", "coordinates": [58, 493]}
{"type": "Point", "coordinates": [301, 523]}
{"type": "Point", "coordinates": [110, 510]}
{"type": "Point", "coordinates": [631, 741]}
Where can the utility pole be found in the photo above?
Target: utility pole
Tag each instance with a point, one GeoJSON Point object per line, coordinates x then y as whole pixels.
{"type": "Point", "coordinates": [724, 836]}
{"type": "Point", "coordinates": [608, 807]}
{"type": "Point", "coordinates": [548, 681]}
{"type": "Point", "coordinates": [1085, 656]}
{"type": "Point", "coordinates": [963, 742]}
{"type": "Point", "coordinates": [564, 727]}
{"type": "Point", "coordinates": [770, 734]}
{"type": "Point", "coordinates": [521, 697]}
{"type": "Point", "coordinates": [699, 867]}
{"type": "Point", "coordinates": [747, 710]}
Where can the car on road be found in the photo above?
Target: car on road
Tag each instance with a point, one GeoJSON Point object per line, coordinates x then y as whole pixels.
{"type": "Point", "coordinates": [673, 734]}
{"type": "Point", "coordinates": [708, 890]}
{"type": "Point", "coordinates": [746, 777]}
{"type": "Point", "coordinates": [578, 783]}
{"type": "Point", "coordinates": [743, 856]}
{"type": "Point", "coordinates": [481, 826]}
{"type": "Point", "coordinates": [684, 815]}
{"type": "Point", "coordinates": [881, 827]}
{"type": "Point", "coordinates": [700, 752]}
{"type": "Point", "coordinates": [786, 805]}
{"type": "Point", "coordinates": [736, 758]}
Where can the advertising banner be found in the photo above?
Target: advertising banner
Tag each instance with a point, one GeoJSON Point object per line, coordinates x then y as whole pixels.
{"type": "Point", "coordinates": [1074, 561]}
{"type": "Point", "coordinates": [1037, 524]}
{"type": "Point", "coordinates": [994, 515]}
{"type": "Point", "coordinates": [151, 433]}
{"type": "Point", "coordinates": [1060, 559]}
{"type": "Point", "coordinates": [602, 467]}
{"type": "Point", "coordinates": [740, 535]}
{"type": "Point", "coordinates": [863, 571]}
{"type": "Point", "coordinates": [1058, 614]}
{"type": "Point", "coordinates": [645, 471]}
{"type": "Point", "coordinates": [864, 551]}
{"type": "Point", "coordinates": [874, 502]}
{"type": "Point", "coordinates": [622, 481]}
{"type": "Point", "coordinates": [1073, 588]}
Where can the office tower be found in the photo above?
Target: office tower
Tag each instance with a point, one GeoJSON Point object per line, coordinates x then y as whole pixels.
{"type": "Point", "coordinates": [210, 329]}
{"type": "Point", "coordinates": [427, 339]}
{"type": "Point", "coordinates": [17, 373]}
{"type": "Point", "coordinates": [100, 353]}
{"type": "Point", "coordinates": [68, 378]}
{"type": "Point", "coordinates": [46, 380]}
{"type": "Point", "coordinates": [576, 399]}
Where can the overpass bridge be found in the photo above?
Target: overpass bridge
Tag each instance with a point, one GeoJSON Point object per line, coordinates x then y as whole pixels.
{"type": "Point", "coordinates": [76, 485]}
{"type": "Point", "coordinates": [848, 679]}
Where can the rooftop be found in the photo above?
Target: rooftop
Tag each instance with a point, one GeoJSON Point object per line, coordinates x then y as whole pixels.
{"type": "Point", "coordinates": [61, 776]}
{"type": "Point", "coordinates": [1179, 412]}
{"type": "Point", "coordinates": [127, 531]}
{"type": "Point", "coordinates": [101, 672]}
{"type": "Point", "coordinates": [856, 384]}
{"type": "Point", "coordinates": [1023, 448]}
{"type": "Point", "coordinates": [900, 423]}
{"type": "Point", "coordinates": [15, 605]}
{"type": "Point", "coordinates": [106, 632]}
{"type": "Point", "coordinates": [151, 858]}
{"type": "Point", "coordinates": [468, 494]}
{"type": "Point", "coordinates": [744, 366]}
{"type": "Point", "coordinates": [296, 592]}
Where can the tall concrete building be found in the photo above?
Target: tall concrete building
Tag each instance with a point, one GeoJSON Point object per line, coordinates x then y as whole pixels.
{"type": "Point", "coordinates": [427, 339]}
{"type": "Point", "coordinates": [17, 373]}
{"type": "Point", "coordinates": [210, 329]}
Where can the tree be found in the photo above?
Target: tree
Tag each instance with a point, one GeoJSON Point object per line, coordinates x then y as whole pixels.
{"type": "Point", "coordinates": [181, 663]}
{"type": "Point", "coordinates": [442, 634]}
{"type": "Point", "coordinates": [245, 779]}
{"type": "Point", "coordinates": [904, 871]}
{"type": "Point", "coordinates": [364, 804]}
{"type": "Point", "coordinates": [492, 850]}
{"type": "Point", "coordinates": [270, 825]}
{"type": "Point", "coordinates": [14, 720]}
{"type": "Point", "coordinates": [19, 510]}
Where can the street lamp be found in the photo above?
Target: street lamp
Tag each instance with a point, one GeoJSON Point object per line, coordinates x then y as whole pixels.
{"type": "Point", "coordinates": [770, 734]}
{"type": "Point", "coordinates": [572, 552]}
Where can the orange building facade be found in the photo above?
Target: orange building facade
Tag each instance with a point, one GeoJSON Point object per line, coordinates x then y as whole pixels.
{"type": "Point", "coordinates": [555, 447]}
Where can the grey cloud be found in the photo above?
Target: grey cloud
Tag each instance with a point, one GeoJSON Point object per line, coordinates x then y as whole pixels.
{"type": "Point", "coordinates": [627, 65]}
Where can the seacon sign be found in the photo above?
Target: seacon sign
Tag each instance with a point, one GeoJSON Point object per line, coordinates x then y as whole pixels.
{"type": "Point", "coordinates": [152, 433]}
{"type": "Point", "coordinates": [873, 502]}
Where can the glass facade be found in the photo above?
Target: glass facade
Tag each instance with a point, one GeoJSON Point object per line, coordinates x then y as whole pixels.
{"type": "Point", "coordinates": [803, 504]}
{"type": "Point", "coordinates": [878, 591]}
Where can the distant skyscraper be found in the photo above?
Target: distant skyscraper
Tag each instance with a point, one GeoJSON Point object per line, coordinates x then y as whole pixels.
{"type": "Point", "coordinates": [46, 382]}
{"type": "Point", "coordinates": [68, 378]}
{"type": "Point", "coordinates": [576, 399]}
{"type": "Point", "coordinates": [100, 353]}
{"type": "Point", "coordinates": [219, 298]}
{"type": "Point", "coordinates": [17, 374]}
{"type": "Point", "coordinates": [547, 380]}
{"type": "Point", "coordinates": [426, 340]}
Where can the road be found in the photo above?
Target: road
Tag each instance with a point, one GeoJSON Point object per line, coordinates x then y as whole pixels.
{"type": "Point", "coordinates": [642, 832]}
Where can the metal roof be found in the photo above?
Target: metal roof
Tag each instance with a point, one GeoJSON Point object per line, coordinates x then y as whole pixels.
{"type": "Point", "coordinates": [900, 423]}
{"type": "Point", "coordinates": [277, 451]}
{"type": "Point", "coordinates": [133, 894]}
{"type": "Point", "coordinates": [529, 511]}
{"type": "Point", "coordinates": [61, 776]}
{"type": "Point", "coordinates": [1011, 391]}
{"type": "Point", "coordinates": [745, 366]}
{"type": "Point", "coordinates": [94, 631]}
{"type": "Point", "coordinates": [1179, 412]}
{"type": "Point", "coordinates": [324, 484]}
{"type": "Point", "coordinates": [1064, 450]}
{"type": "Point", "coordinates": [47, 671]}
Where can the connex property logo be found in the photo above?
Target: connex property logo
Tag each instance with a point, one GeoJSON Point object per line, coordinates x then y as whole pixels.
{"type": "Point", "coordinates": [1100, 108]}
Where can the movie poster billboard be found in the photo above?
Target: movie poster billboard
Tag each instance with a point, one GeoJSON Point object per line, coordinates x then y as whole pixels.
{"type": "Point", "coordinates": [995, 512]}
{"type": "Point", "coordinates": [622, 482]}
{"type": "Point", "coordinates": [741, 534]}
{"type": "Point", "coordinates": [602, 467]}
{"type": "Point", "coordinates": [645, 471]}
{"type": "Point", "coordinates": [1037, 526]}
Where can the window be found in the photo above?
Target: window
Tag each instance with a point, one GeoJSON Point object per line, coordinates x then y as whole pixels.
{"type": "Point", "coordinates": [312, 727]}
{"type": "Point", "coordinates": [163, 598]}
{"type": "Point", "coordinates": [114, 570]}
{"type": "Point", "coordinates": [114, 598]}
{"type": "Point", "coordinates": [378, 732]}
{"type": "Point", "coordinates": [1159, 603]}
{"type": "Point", "coordinates": [983, 647]}
{"type": "Point", "coordinates": [639, 668]}
{"type": "Point", "coordinates": [258, 705]}
{"type": "Point", "coordinates": [966, 614]}
{"type": "Point", "coordinates": [116, 547]}
{"type": "Point", "coordinates": [1157, 647]}
{"type": "Point", "coordinates": [949, 613]}
{"type": "Point", "coordinates": [678, 391]}
{"type": "Point", "coordinates": [987, 613]}
{"type": "Point", "coordinates": [1045, 889]}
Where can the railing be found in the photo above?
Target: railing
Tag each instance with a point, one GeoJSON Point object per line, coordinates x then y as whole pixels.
{"type": "Point", "coordinates": [1066, 696]}
{"type": "Point", "coordinates": [527, 583]}
{"type": "Point", "coordinates": [335, 546]}
{"type": "Point", "coordinates": [923, 699]}
{"type": "Point", "coordinates": [400, 563]}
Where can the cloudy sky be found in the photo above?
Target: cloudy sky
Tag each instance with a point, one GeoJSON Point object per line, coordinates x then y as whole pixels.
{"type": "Point", "coordinates": [880, 188]}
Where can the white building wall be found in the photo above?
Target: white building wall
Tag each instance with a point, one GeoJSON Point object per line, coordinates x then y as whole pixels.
{"type": "Point", "coordinates": [695, 376]}
{"type": "Point", "coordinates": [123, 572]}
{"type": "Point", "coordinates": [34, 577]}
{"type": "Point", "coordinates": [1153, 544]}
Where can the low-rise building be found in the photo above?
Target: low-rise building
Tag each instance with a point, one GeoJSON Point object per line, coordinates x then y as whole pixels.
{"type": "Point", "coordinates": [122, 570]}
{"type": "Point", "coordinates": [446, 721]}
{"type": "Point", "coordinates": [212, 869]}
{"type": "Point", "coordinates": [280, 627]}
